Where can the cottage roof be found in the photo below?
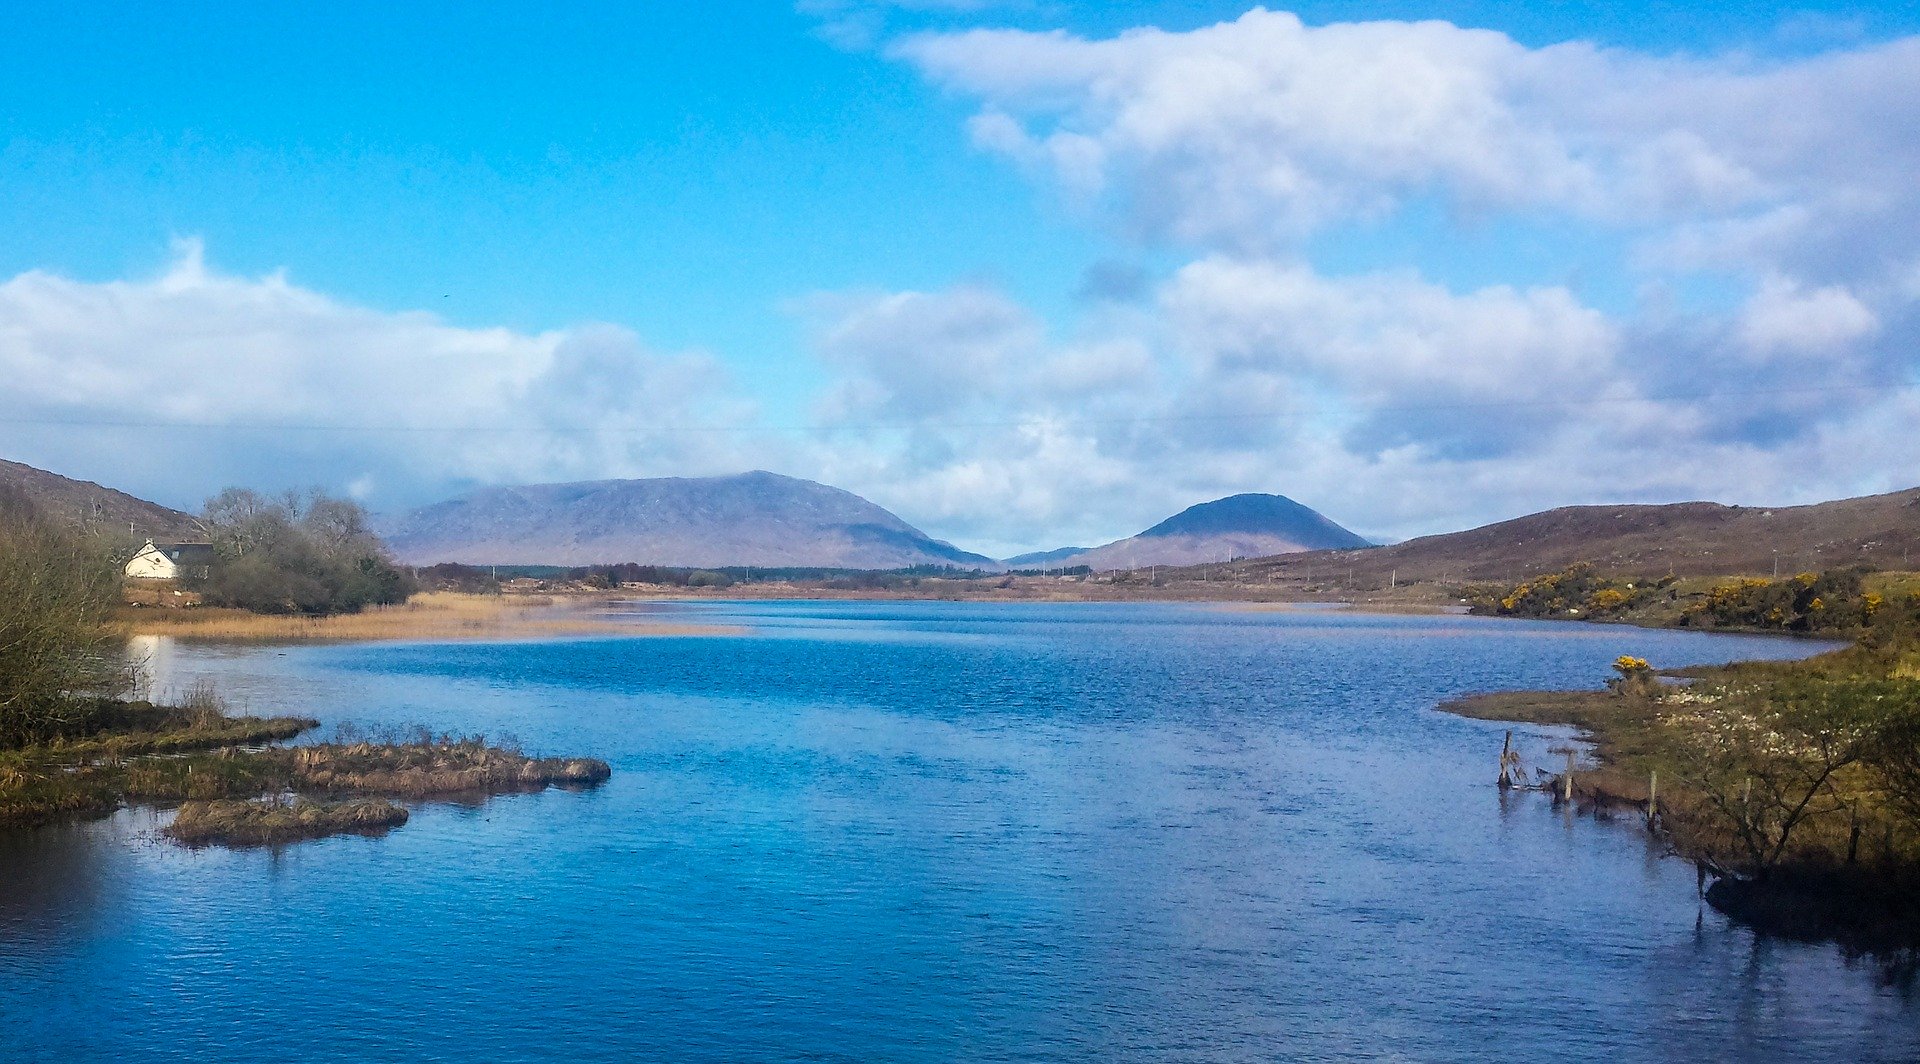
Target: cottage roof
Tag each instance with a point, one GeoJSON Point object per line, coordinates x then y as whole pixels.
{"type": "Point", "coordinates": [186, 553]}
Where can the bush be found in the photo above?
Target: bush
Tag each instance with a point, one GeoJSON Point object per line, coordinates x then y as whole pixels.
{"type": "Point", "coordinates": [1573, 592]}
{"type": "Point", "coordinates": [1835, 600]}
{"type": "Point", "coordinates": [452, 576]}
{"type": "Point", "coordinates": [59, 657]}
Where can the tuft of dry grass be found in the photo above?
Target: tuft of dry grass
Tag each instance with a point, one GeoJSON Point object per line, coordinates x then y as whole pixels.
{"type": "Point", "coordinates": [264, 822]}
{"type": "Point", "coordinates": [436, 615]}
{"type": "Point", "coordinates": [436, 767]}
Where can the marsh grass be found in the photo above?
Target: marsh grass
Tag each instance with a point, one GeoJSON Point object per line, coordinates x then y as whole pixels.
{"type": "Point", "coordinates": [435, 765]}
{"type": "Point", "coordinates": [436, 615]}
{"type": "Point", "coordinates": [270, 821]}
{"type": "Point", "coordinates": [192, 751]}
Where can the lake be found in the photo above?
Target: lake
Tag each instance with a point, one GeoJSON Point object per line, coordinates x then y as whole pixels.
{"type": "Point", "coordinates": [933, 831]}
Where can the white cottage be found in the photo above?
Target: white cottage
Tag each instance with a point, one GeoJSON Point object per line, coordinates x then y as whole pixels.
{"type": "Point", "coordinates": [170, 561]}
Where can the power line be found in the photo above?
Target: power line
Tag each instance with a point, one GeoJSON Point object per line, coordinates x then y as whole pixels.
{"type": "Point", "coordinates": [1027, 422]}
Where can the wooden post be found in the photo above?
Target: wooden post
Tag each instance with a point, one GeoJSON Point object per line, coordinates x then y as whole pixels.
{"type": "Point", "coordinates": [1506, 748]}
{"type": "Point", "coordinates": [1567, 780]}
{"type": "Point", "coordinates": [1653, 797]}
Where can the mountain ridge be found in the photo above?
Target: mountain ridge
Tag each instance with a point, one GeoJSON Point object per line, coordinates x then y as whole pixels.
{"type": "Point", "coordinates": [1642, 539]}
{"type": "Point", "coordinates": [82, 502]}
{"type": "Point", "coordinates": [755, 518]}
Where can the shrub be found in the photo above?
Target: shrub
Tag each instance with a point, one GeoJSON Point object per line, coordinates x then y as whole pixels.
{"type": "Point", "coordinates": [59, 657]}
{"type": "Point", "coordinates": [1577, 590]}
{"type": "Point", "coordinates": [1808, 602]}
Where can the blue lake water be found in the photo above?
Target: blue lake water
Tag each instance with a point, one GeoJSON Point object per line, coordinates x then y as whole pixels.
{"type": "Point", "coordinates": [924, 831]}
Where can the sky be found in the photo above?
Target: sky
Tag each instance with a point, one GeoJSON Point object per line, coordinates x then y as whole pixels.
{"type": "Point", "coordinates": [1029, 274]}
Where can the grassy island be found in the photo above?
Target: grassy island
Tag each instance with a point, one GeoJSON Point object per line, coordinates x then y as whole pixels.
{"type": "Point", "coordinates": [1793, 786]}
{"type": "Point", "coordinates": [269, 821]}
{"type": "Point", "coordinates": [220, 768]}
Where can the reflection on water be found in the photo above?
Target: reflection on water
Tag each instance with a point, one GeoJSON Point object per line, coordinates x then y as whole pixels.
{"type": "Point", "coordinates": [910, 831]}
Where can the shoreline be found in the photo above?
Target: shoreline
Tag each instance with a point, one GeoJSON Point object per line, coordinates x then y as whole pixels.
{"type": "Point", "coordinates": [1867, 905]}
{"type": "Point", "coordinates": [436, 616]}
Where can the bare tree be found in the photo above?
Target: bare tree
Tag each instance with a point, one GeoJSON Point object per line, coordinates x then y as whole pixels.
{"type": "Point", "coordinates": [1771, 764]}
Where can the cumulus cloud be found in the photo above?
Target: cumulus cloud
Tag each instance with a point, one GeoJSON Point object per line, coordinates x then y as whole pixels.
{"type": "Point", "coordinates": [1413, 360]}
{"type": "Point", "coordinates": [1784, 318]}
{"type": "Point", "coordinates": [1778, 188]}
{"type": "Point", "coordinates": [192, 379]}
{"type": "Point", "coordinates": [1250, 134]}
{"type": "Point", "coordinates": [918, 353]}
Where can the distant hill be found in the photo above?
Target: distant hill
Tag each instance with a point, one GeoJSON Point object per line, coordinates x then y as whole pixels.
{"type": "Point", "coordinates": [1238, 526]}
{"type": "Point", "coordinates": [756, 518]}
{"type": "Point", "coordinates": [85, 503]}
{"type": "Point", "coordinates": [1042, 559]}
{"type": "Point", "coordinates": [1684, 539]}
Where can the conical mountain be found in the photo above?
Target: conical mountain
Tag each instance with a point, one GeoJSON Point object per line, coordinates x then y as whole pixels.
{"type": "Point", "coordinates": [1238, 526]}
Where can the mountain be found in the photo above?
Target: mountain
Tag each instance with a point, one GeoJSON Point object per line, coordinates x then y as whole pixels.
{"type": "Point", "coordinates": [1684, 539]}
{"type": "Point", "coordinates": [1042, 559]}
{"type": "Point", "coordinates": [83, 502]}
{"type": "Point", "coordinates": [757, 518]}
{"type": "Point", "coordinates": [1238, 526]}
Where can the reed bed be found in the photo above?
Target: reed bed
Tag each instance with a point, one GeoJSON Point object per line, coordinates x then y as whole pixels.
{"type": "Point", "coordinates": [267, 821]}
{"type": "Point", "coordinates": [439, 615]}
{"type": "Point", "coordinates": [436, 767]}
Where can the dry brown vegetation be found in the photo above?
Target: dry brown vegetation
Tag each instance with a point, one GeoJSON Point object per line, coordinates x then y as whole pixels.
{"type": "Point", "coordinates": [1635, 542]}
{"type": "Point", "coordinates": [430, 766]}
{"type": "Point", "coordinates": [204, 761]}
{"type": "Point", "coordinates": [268, 821]}
{"type": "Point", "coordinates": [439, 615]}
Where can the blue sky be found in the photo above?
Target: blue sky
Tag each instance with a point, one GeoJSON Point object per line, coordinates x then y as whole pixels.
{"type": "Point", "coordinates": [765, 216]}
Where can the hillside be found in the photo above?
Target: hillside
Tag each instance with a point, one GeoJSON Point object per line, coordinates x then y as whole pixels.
{"type": "Point", "coordinates": [758, 518]}
{"type": "Point", "coordinates": [83, 502]}
{"type": "Point", "coordinates": [1682, 539]}
{"type": "Point", "coordinates": [1238, 526]}
{"type": "Point", "coordinates": [1043, 559]}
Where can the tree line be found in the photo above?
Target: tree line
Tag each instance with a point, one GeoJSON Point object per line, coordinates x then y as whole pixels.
{"type": "Point", "coordinates": [305, 553]}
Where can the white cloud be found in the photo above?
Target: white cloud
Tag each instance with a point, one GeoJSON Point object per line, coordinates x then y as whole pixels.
{"type": "Point", "coordinates": [1391, 337]}
{"type": "Point", "coordinates": [1785, 319]}
{"type": "Point", "coordinates": [1249, 134]}
{"type": "Point", "coordinates": [1396, 401]}
{"type": "Point", "coordinates": [1391, 403]}
{"type": "Point", "coordinates": [277, 385]}
{"type": "Point", "coordinates": [918, 353]}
